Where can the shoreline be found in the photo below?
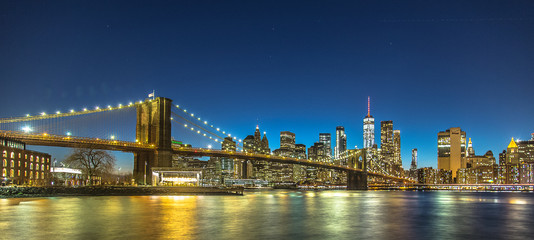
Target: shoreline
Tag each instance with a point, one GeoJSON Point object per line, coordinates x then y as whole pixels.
{"type": "Point", "coordinates": [30, 192]}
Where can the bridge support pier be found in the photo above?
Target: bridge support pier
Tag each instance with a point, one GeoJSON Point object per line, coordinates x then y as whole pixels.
{"type": "Point", "coordinates": [153, 127]}
{"type": "Point", "coordinates": [356, 180]}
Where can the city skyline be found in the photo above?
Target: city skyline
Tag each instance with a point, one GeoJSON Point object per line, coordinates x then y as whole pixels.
{"type": "Point", "coordinates": [304, 69]}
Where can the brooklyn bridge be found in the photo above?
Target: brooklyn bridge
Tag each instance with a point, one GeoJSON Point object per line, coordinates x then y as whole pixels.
{"type": "Point", "coordinates": [153, 145]}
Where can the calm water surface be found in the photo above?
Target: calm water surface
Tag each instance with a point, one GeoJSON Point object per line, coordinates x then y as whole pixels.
{"type": "Point", "coordinates": [274, 214]}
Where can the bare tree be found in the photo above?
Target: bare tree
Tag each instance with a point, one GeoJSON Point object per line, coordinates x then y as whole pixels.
{"type": "Point", "coordinates": [92, 162]}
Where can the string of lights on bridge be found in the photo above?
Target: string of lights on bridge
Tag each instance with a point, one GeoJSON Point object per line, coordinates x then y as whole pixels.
{"type": "Point", "coordinates": [205, 123]}
{"type": "Point", "coordinates": [71, 112]}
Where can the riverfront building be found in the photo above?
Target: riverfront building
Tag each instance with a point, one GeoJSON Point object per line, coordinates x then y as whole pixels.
{"type": "Point", "coordinates": [21, 166]}
{"type": "Point", "coordinates": [451, 150]}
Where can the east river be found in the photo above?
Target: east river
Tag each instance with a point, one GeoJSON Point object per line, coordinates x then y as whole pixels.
{"type": "Point", "coordinates": [274, 214]}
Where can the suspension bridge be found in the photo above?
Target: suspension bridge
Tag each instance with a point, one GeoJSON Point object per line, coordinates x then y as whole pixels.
{"type": "Point", "coordinates": [104, 128]}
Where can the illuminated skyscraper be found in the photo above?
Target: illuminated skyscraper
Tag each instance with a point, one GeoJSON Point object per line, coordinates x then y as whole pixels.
{"type": "Point", "coordinates": [341, 141]}
{"type": "Point", "coordinates": [470, 150]}
{"type": "Point", "coordinates": [325, 138]}
{"type": "Point", "coordinates": [368, 127]}
{"type": "Point", "coordinates": [414, 159]}
{"type": "Point", "coordinates": [451, 150]}
{"type": "Point", "coordinates": [287, 141]}
{"type": "Point", "coordinates": [397, 148]}
{"type": "Point", "coordinates": [386, 141]}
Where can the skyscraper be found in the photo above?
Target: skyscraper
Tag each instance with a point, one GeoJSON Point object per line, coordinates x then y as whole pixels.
{"type": "Point", "coordinates": [451, 150]}
{"type": "Point", "coordinates": [227, 164]}
{"type": "Point", "coordinates": [368, 127]}
{"type": "Point", "coordinates": [414, 159]}
{"type": "Point", "coordinates": [386, 141]}
{"type": "Point", "coordinates": [287, 140]}
{"type": "Point", "coordinates": [397, 148]}
{"type": "Point", "coordinates": [470, 150]}
{"type": "Point", "coordinates": [325, 138]}
{"type": "Point", "coordinates": [341, 141]}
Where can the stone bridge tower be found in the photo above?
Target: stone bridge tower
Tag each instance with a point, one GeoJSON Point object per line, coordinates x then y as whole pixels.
{"type": "Point", "coordinates": [153, 127]}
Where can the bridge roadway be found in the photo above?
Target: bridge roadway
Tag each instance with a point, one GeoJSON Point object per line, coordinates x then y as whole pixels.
{"type": "Point", "coordinates": [271, 158]}
{"type": "Point", "coordinates": [125, 146]}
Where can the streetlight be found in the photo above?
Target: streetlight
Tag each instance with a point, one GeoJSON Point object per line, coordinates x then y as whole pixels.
{"type": "Point", "coordinates": [26, 129]}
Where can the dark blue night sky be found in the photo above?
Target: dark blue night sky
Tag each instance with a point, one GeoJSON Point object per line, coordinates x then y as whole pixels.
{"type": "Point", "coordinates": [302, 66]}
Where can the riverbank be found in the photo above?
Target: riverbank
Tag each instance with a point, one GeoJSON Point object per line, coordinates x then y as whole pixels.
{"type": "Point", "coordinates": [27, 192]}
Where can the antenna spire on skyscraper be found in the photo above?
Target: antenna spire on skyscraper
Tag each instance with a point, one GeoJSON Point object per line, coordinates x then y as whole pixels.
{"type": "Point", "coordinates": [368, 106]}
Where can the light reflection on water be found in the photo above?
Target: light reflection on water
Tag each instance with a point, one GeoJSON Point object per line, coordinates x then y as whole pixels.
{"type": "Point", "coordinates": [274, 214]}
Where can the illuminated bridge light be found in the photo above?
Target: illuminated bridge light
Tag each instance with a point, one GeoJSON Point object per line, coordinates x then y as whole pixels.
{"type": "Point", "coordinates": [205, 122]}
{"type": "Point", "coordinates": [58, 112]}
{"type": "Point", "coordinates": [43, 114]}
{"type": "Point", "coordinates": [130, 103]}
{"type": "Point", "coordinates": [97, 108]}
{"type": "Point", "coordinates": [192, 115]}
{"type": "Point", "coordinates": [27, 115]}
{"type": "Point", "coordinates": [185, 125]}
{"type": "Point", "coordinates": [178, 106]}
{"type": "Point", "coordinates": [84, 109]}
{"type": "Point", "coordinates": [218, 129]}
{"type": "Point", "coordinates": [72, 110]}
{"type": "Point", "coordinates": [120, 105]}
{"type": "Point", "coordinates": [109, 106]}
{"type": "Point", "coordinates": [185, 110]}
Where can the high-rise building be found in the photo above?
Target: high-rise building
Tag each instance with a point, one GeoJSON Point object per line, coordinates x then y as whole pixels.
{"type": "Point", "coordinates": [386, 140]}
{"type": "Point", "coordinates": [526, 150]}
{"type": "Point", "coordinates": [325, 138]}
{"type": "Point", "coordinates": [451, 150]}
{"type": "Point", "coordinates": [228, 145]}
{"type": "Point", "coordinates": [512, 163]}
{"type": "Point", "coordinates": [341, 142]}
{"type": "Point", "coordinates": [470, 150]}
{"type": "Point", "coordinates": [414, 159]}
{"type": "Point", "coordinates": [368, 127]}
{"type": "Point", "coordinates": [287, 140]}
{"type": "Point", "coordinates": [397, 148]}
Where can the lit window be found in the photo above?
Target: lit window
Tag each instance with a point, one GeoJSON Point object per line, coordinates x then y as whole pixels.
{"type": "Point", "coordinates": [5, 163]}
{"type": "Point", "coordinates": [25, 164]}
{"type": "Point", "coordinates": [31, 158]}
{"type": "Point", "coordinates": [42, 167]}
{"type": "Point", "coordinates": [37, 159]}
{"type": "Point", "coordinates": [12, 163]}
{"type": "Point", "coordinates": [25, 173]}
{"type": "Point", "coordinates": [31, 165]}
{"type": "Point", "coordinates": [12, 173]}
{"type": "Point", "coordinates": [19, 155]}
{"type": "Point", "coordinates": [4, 154]}
{"type": "Point", "coordinates": [42, 176]}
{"type": "Point", "coordinates": [18, 173]}
{"type": "Point", "coordinates": [31, 174]}
{"type": "Point", "coordinates": [36, 175]}
{"type": "Point", "coordinates": [25, 156]}
{"type": "Point", "coordinates": [12, 155]}
{"type": "Point", "coordinates": [47, 167]}
{"type": "Point", "coordinates": [4, 173]}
